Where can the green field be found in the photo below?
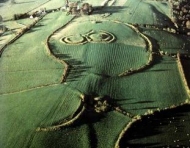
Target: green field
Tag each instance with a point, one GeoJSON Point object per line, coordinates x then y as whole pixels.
{"type": "Point", "coordinates": [55, 75]}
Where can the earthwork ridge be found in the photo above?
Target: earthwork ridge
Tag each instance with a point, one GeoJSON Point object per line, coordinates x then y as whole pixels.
{"type": "Point", "coordinates": [134, 119]}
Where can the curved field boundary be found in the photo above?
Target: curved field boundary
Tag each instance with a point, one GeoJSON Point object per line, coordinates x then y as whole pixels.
{"type": "Point", "coordinates": [49, 50]}
{"type": "Point", "coordinates": [123, 132]}
{"type": "Point", "coordinates": [65, 124]}
{"type": "Point", "coordinates": [121, 111]}
{"type": "Point", "coordinates": [138, 118]}
{"type": "Point", "coordinates": [181, 71]}
{"type": "Point", "coordinates": [22, 32]}
{"type": "Point", "coordinates": [149, 46]}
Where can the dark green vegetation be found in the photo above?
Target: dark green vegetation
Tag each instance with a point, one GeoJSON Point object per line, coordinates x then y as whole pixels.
{"type": "Point", "coordinates": [173, 124]}
{"type": "Point", "coordinates": [186, 64]}
{"type": "Point", "coordinates": [45, 81]}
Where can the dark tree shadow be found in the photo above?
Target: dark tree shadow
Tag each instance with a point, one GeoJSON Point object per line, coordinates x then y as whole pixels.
{"type": "Point", "coordinates": [150, 126]}
{"type": "Point", "coordinates": [35, 28]}
{"type": "Point", "coordinates": [155, 49]}
{"type": "Point", "coordinates": [24, 2]}
{"type": "Point", "coordinates": [76, 69]}
{"type": "Point", "coordinates": [107, 9]}
{"type": "Point", "coordinates": [162, 18]}
{"type": "Point", "coordinates": [185, 61]}
{"type": "Point", "coordinates": [3, 1]}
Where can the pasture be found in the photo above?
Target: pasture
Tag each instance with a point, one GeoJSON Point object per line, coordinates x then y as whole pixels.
{"type": "Point", "coordinates": [49, 72]}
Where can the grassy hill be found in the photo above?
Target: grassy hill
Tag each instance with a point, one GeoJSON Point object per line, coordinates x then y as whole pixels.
{"type": "Point", "coordinates": [57, 74]}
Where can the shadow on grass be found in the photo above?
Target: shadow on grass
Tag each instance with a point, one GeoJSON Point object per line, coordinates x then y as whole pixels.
{"type": "Point", "coordinates": [35, 28]}
{"type": "Point", "coordinates": [144, 108]}
{"type": "Point", "coordinates": [140, 102]}
{"type": "Point", "coordinates": [124, 101]}
{"type": "Point", "coordinates": [24, 2]}
{"type": "Point", "coordinates": [186, 65]}
{"type": "Point", "coordinates": [149, 131]}
{"type": "Point", "coordinates": [89, 118]}
{"type": "Point", "coordinates": [155, 47]}
{"type": "Point", "coordinates": [77, 68]}
{"type": "Point", "coordinates": [3, 1]}
{"type": "Point", "coordinates": [160, 70]}
{"type": "Point", "coordinates": [161, 17]}
{"type": "Point", "coordinates": [108, 9]}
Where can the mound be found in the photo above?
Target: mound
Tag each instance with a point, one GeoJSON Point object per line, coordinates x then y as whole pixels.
{"type": "Point", "coordinates": [127, 51]}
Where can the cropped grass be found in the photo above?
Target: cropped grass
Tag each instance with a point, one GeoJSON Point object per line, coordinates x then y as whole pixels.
{"type": "Point", "coordinates": [167, 128]}
{"type": "Point", "coordinates": [32, 95]}
{"type": "Point", "coordinates": [22, 113]}
{"type": "Point", "coordinates": [143, 12]}
{"type": "Point", "coordinates": [168, 42]}
{"type": "Point", "coordinates": [101, 58]}
{"type": "Point", "coordinates": [71, 137]}
{"type": "Point", "coordinates": [109, 129]}
{"type": "Point", "coordinates": [156, 88]}
{"type": "Point", "coordinates": [26, 63]}
{"type": "Point", "coordinates": [15, 8]}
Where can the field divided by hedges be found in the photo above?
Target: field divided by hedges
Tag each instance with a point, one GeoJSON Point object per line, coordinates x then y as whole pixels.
{"type": "Point", "coordinates": [16, 8]}
{"type": "Point", "coordinates": [27, 63]}
{"type": "Point", "coordinates": [127, 52]}
{"type": "Point", "coordinates": [22, 113]}
{"type": "Point", "coordinates": [105, 59]}
{"type": "Point", "coordinates": [158, 87]}
{"type": "Point", "coordinates": [108, 130]}
{"type": "Point", "coordinates": [166, 128]}
{"type": "Point", "coordinates": [76, 137]}
{"type": "Point", "coordinates": [168, 42]}
{"type": "Point", "coordinates": [142, 12]}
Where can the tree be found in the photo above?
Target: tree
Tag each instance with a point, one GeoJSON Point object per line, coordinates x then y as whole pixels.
{"type": "Point", "coordinates": [13, 2]}
{"type": "Point", "coordinates": [1, 19]}
{"type": "Point", "coordinates": [188, 24]}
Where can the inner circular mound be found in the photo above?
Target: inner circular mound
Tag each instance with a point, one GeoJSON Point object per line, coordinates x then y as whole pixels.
{"type": "Point", "coordinates": [91, 36]}
{"type": "Point", "coordinates": [107, 48]}
{"type": "Point", "coordinates": [102, 36]}
{"type": "Point", "coordinates": [74, 39]}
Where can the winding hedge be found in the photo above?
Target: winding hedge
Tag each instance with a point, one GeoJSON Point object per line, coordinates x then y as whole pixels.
{"type": "Point", "coordinates": [64, 124]}
{"type": "Point", "coordinates": [49, 50]}
{"type": "Point", "coordinates": [22, 32]}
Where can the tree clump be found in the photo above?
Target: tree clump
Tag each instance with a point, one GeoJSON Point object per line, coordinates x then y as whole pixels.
{"type": "Point", "coordinates": [99, 104]}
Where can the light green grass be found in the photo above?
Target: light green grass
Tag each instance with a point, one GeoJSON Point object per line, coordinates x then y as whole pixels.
{"type": "Point", "coordinates": [158, 87]}
{"type": "Point", "coordinates": [168, 42]}
{"type": "Point", "coordinates": [128, 51]}
{"type": "Point", "coordinates": [108, 130]}
{"type": "Point", "coordinates": [20, 7]}
{"type": "Point", "coordinates": [26, 63]}
{"type": "Point", "coordinates": [71, 137]}
{"type": "Point", "coordinates": [105, 59]}
{"type": "Point", "coordinates": [169, 128]}
{"type": "Point", "coordinates": [22, 113]}
{"type": "Point", "coordinates": [142, 12]}
{"type": "Point", "coordinates": [25, 66]}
